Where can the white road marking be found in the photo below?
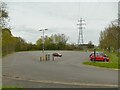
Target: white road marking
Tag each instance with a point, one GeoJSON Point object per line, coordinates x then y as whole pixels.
{"type": "Point", "coordinates": [64, 83]}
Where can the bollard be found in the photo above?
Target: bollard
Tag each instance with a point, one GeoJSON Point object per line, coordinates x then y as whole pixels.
{"type": "Point", "coordinates": [49, 57]}
{"type": "Point", "coordinates": [53, 57]}
{"type": "Point", "coordinates": [40, 58]}
{"type": "Point", "coordinates": [46, 57]}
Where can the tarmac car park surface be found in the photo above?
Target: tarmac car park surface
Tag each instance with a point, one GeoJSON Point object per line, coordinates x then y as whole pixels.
{"type": "Point", "coordinates": [24, 69]}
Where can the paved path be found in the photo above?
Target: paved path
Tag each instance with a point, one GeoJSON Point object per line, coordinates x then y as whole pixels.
{"type": "Point", "coordinates": [67, 71]}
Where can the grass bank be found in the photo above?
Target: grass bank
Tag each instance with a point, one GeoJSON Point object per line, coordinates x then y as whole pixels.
{"type": "Point", "coordinates": [112, 64]}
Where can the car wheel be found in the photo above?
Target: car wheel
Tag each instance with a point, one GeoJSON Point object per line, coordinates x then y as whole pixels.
{"type": "Point", "coordinates": [93, 59]}
{"type": "Point", "coordinates": [105, 60]}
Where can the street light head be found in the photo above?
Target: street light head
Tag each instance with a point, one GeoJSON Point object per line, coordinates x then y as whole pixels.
{"type": "Point", "coordinates": [43, 29]}
{"type": "Point", "coordinates": [46, 29]}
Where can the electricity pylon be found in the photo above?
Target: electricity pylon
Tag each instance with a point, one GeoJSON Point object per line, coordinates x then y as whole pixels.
{"type": "Point", "coordinates": [80, 28]}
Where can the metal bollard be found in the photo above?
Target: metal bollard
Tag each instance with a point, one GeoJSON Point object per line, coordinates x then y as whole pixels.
{"type": "Point", "coordinates": [46, 57]}
{"type": "Point", "coordinates": [40, 58]}
{"type": "Point", "coordinates": [53, 57]}
{"type": "Point", "coordinates": [49, 57]}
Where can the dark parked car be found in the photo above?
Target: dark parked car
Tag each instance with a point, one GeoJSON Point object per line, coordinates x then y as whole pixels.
{"type": "Point", "coordinates": [99, 56]}
{"type": "Point", "coordinates": [57, 54]}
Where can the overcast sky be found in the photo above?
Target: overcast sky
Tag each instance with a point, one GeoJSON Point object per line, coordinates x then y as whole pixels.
{"type": "Point", "coordinates": [27, 18]}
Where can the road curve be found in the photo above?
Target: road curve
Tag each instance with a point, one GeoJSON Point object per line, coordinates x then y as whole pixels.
{"type": "Point", "coordinates": [68, 70]}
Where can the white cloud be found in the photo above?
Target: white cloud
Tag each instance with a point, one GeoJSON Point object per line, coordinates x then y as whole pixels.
{"type": "Point", "coordinates": [28, 17]}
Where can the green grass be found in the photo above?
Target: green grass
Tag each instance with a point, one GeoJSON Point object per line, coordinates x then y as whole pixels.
{"type": "Point", "coordinates": [11, 88]}
{"type": "Point", "coordinates": [112, 64]}
{"type": "Point", "coordinates": [103, 64]}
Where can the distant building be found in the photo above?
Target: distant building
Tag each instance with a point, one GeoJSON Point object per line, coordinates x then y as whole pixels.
{"type": "Point", "coordinates": [86, 46]}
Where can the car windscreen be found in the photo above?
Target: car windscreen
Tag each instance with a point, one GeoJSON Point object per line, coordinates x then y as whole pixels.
{"type": "Point", "coordinates": [98, 54]}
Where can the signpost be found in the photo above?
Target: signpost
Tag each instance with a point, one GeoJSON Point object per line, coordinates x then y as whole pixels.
{"type": "Point", "coordinates": [94, 54]}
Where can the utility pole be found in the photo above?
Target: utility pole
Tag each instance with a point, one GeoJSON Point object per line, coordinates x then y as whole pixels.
{"type": "Point", "coordinates": [80, 27]}
{"type": "Point", "coordinates": [43, 41]}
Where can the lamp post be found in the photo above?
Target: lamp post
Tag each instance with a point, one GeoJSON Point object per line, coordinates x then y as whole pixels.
{"type": "Point", "coordinates": [43, 41]}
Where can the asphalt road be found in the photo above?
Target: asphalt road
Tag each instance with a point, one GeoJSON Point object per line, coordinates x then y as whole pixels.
{"type": "Point", "coordinates": [24, 69]}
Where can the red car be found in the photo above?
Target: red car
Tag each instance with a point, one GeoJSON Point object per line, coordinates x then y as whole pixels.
{"type": "Point", "coordinates": [57, 54]}
{"type": "Point", "coordinates": [99, 56]}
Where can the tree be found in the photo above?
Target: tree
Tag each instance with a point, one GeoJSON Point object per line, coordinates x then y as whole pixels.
{"type": "Point", "coordinates": [54, 42]}
{"type": "Point", "coordinates": [60, 40]}
{"type": "Point", "coordinates": [90, 44]}
{"type": "Point", "coordinates": [8, 42]}
{"type": "Point", "coordinates": [110, 38]}
{"type": "Point", "coordinates": [3, 15]}
{"type": "Point", "coordinates": [20, 44]}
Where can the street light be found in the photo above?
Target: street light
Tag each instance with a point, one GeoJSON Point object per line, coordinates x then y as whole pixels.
{"type": "Point", "coordinates": [43, 41]}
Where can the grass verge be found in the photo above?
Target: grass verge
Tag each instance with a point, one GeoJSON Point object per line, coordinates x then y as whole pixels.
{"type": "Point", "coordinates": [11, 88]}
{"type": "Point", "coordinates": [113, 64]}
{"type": "Point", "coordinates": [103, 64]}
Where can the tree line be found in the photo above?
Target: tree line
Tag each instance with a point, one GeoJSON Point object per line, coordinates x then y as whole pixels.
{"type": "Point", "coordinates": [11, 43]}
{"type": "Point", "coordinates": [8, 42]}
{"type": "Point", "coordinates": [54, 42]}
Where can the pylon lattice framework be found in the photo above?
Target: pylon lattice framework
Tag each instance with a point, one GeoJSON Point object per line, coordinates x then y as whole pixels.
{"type": "Point", "coordinates": [80, 28]}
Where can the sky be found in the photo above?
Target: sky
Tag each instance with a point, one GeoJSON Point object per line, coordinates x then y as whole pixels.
{"type": "Point", "coordinates": [27, 18]}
